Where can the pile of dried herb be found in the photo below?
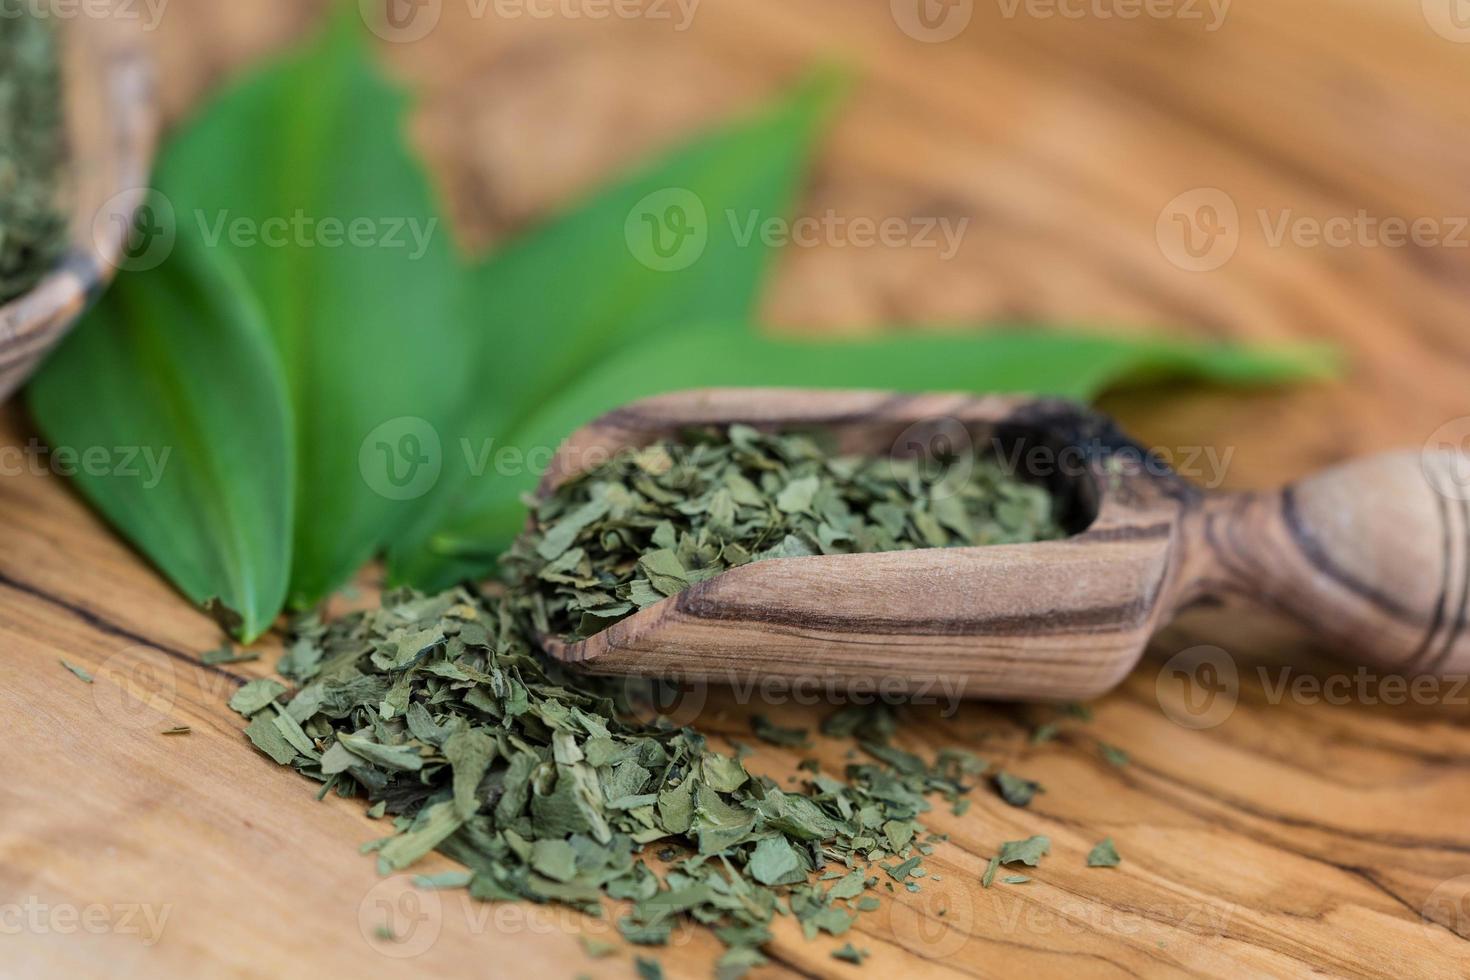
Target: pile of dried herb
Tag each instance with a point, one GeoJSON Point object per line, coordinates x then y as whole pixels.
{"type": "Point", "coordinates": [31, 152]}
{"type": "Point", "coordinates": [439, 713]}
{"type": "Point", "coordinates": [651, 523]}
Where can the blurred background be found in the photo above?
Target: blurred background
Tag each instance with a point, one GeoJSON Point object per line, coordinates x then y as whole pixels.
{"type": "Point", "coordinates": [1284, 171]}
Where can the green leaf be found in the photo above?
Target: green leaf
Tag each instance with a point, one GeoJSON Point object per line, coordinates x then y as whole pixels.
{"type": "Point", "coordinates": [399, 758]}
{"type": "Point", "coordinates": [171, 377]}
{"type": "Point", "coordinates": [469, 753]}
{"type": "Point", "coordinates": [775, 862]}
{"type": "Point", "coordinates": [255, 695]}
{"type": "Point", "coordinates": [300, 172]}
{"type": "Point", "coordinates": [1072, 365]}
{"type": "Point", "coordinates": [555, 305]}
{"type": "Point", "coordinates": [264, 734]}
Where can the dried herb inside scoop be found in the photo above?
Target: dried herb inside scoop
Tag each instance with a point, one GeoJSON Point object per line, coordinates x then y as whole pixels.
{"type": "Point", "coordinates": [32, 228]}
{"type": "Point", "coordinates": [651, 523]}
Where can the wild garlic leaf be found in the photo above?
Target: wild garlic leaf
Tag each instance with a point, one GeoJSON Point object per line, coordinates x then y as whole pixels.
{"type": "Point", "coordinates": [301, 174]}
{"type": "Point", "coordinates": [171, 376]}
{"type": "Point", "coordinates": [590, 283]}
{"type": "Point", "coordinates": [1071, 365]}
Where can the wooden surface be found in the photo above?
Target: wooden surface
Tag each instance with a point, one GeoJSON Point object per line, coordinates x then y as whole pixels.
{"type": "Point", "coordinates": [1266, 833]}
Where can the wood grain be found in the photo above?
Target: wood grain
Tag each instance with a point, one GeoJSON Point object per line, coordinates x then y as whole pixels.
{"type": "Point", "coordinates": [1285, 831]}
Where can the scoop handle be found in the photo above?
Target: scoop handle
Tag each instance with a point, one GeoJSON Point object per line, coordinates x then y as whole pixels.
{"type": "Point", "coordinates": [1373, 556]}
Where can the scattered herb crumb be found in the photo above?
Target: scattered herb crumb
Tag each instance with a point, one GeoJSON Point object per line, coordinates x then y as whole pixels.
{"type": "Point", "coordinates": [1104, 855]}
{"type": "Point", "coordinates": [597, 948]}
{"type": "Point", "coordinates": [1028, 852]}
{"type": "Point", "coordinates": [649, 969]}
{"type": "Point", "coordinates": [1114, 755]}
{"type": "Point", "coordinates": [1015, 879]}
{"type": "Point", "coordinates": [444, 879]}
{"type": "Point", "coordinates": [176, 730]}
{"type": "Point", "coordinates": [227, 654]}
{"type": "Point", "coordinates": [989, 876]}
{"type": "Point", "coordinates": [850, 954]}
{"type": "Point", "coordinates": [78, 671]}
{"type": "Point", "coordinates": [768, 731]}
{"type": "Point", "coordinates": [1015, 790]}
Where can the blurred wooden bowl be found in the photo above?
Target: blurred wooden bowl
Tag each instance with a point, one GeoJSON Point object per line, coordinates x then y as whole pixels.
{"type": "Point", "coordinates": [112, 128]}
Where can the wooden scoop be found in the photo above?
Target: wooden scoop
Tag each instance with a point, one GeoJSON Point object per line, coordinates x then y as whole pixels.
{"type": "Point", "coordinates": [1369, 556]}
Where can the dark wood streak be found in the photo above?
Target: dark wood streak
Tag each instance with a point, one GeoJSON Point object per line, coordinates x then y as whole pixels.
{"type": "Point", "coordinates": [1396, 841]}
{"type": "Point", "coordinates": [1062, 622]}
{"type": "Point", "coordinates": [1369, 878]}
{"type": "Point", "coordinates": [110, 628]}
{"type": "Point", "coordinates": [1447, 545]}
{"type": "Point", "coordinates": [631, 418]}
{"type": "Point", "coordinates": [1221, 536]}
{"type": "Point", "coordinates": [1459, 625]}
{"type": "Point", "coordinates": [1127, 532]}
{"type": "Point", "coordinates": [1306, 541]}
